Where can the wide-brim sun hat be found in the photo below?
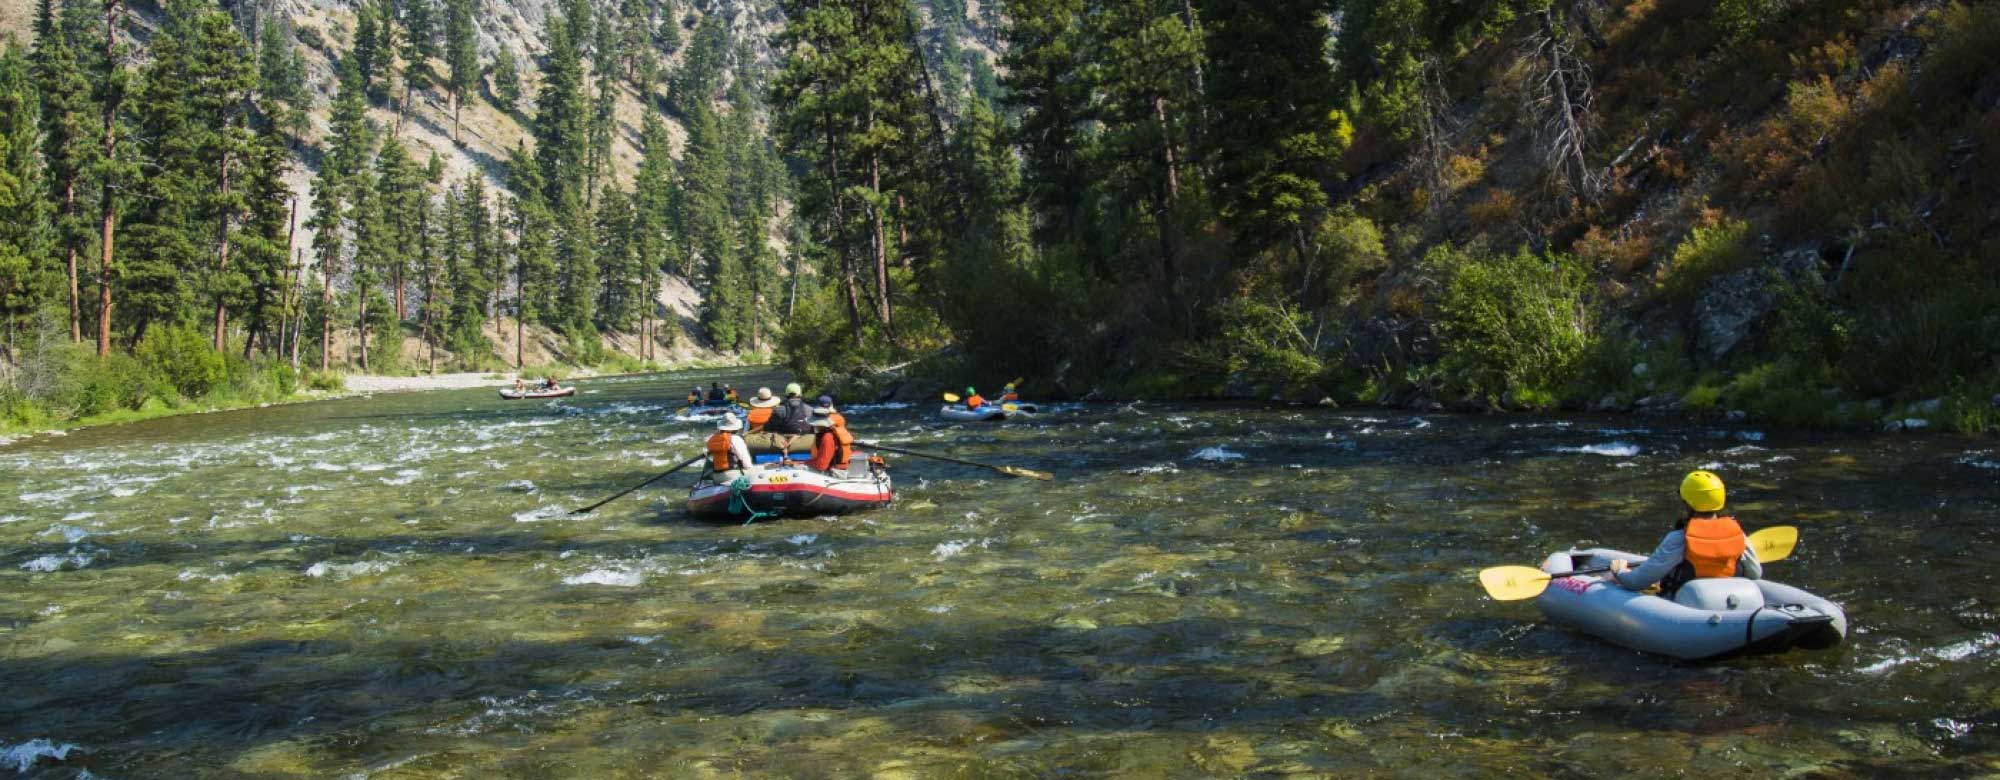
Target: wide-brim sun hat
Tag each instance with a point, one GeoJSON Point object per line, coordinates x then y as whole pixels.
{"type": "Point", "coordinates": [822, 410]}
{"type": "Point", "coordinates": [764, 403]}
{"type": "Point", "coordinates": [822, 421]}
{"type": "Point", "coordinates": [764, 392]}
{"type": "Point", "coordinates": [729, 422]}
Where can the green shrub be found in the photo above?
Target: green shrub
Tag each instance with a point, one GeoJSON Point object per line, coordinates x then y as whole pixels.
{"type": "Point", "coordinates": [1515, 322]}
{"type": "Point", "coordinates": [1702, 398]}
{"type": "Point", "coordinates": [1707, 252]}
{"type": "Point", "coordinates": [1259, 337]}
{"type": "Point", "coordinates": [183, 360]}
{"type": "Point", "coordinates": [326, 381]}
{"type": "Point", "coordinates": [1784, 392]}
{"type": "Point", "coordinates": [1739, 20]}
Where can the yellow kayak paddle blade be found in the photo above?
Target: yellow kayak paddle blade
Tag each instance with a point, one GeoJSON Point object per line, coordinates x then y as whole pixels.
{"type": "Point", "coordinates": [1775, 543]}
{"type": "Point", "coordinates": [1513, 583]}
{"type": "Point", "coordinates": [951, 398]}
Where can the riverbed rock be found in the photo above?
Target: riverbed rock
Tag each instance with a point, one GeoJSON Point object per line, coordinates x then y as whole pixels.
{"type": "Point", "coordinates": [1927, 407]}
{"type": "Point", "coordinates": [1733, 304]}
{"type": "Point", "coordinates": [1996, 400]}
{"type": "Point", "coordinates": [1736, 415]}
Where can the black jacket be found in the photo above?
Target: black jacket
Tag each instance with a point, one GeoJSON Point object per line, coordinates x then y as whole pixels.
{"type": "Point", "coordinates": [793, 417]}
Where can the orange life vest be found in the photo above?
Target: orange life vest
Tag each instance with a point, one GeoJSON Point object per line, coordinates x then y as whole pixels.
{"type": "Point", "coordinates": [1009, 397]}
{"type": "Point", "coordinates": [1714, 544]}
{"type": "Point", "coordinates": [845, 437]}
{"type": "Point", "coordinates": [759, 415]}
{"type": "Point", "coordinates": [718, 451]}
{"type": "Point", "coordinates": [974, 402]}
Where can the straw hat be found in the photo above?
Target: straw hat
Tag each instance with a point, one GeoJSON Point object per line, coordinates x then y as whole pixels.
{"type": "Point", "coordinates": [729, 423]}
{"type": "Point", "coordinates": [764, 400]}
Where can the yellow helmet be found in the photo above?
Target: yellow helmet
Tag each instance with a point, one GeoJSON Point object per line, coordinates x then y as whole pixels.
{"type": "Point", "coordinates": [1702, 491]}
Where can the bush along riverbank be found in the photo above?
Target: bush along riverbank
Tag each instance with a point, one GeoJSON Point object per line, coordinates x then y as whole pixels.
{"type": "Point", "coordinates": [1775, 341]}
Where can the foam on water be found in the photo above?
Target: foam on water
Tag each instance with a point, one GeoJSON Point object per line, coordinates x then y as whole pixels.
{"type": "Point", "coordinates": [615, 578]}
{"type": "Point", "coordinates": [69, 533]}
{"type": "Point", "coordinates": [5, 519]}
{"type": "Point", "coordinates": [347, 570]}
{"type": "Point", "coordinates": [540, 513]}
{"type": "Point", "coordinates": [403, 477]}
{"type": "Point", "coordinates": [1157, 468]}
{"type": "Point", "coordinates": [1616, 449]}
{"type": "Point", "coordinates": [1979, 459]}
{"type": "Point", "coordinates": [803, 539]}
{"type": "Point", "coordinates": [1215, 454]}
{"type": "Point", "coordinates": [25, 755]}
{"type": "Point", "coordinates": [74, 559]}
{"type": "Point", "coordinates": [1958, 651]}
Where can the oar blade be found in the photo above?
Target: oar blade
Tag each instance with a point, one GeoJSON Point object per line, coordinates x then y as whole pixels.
{"type": "Point", "coordinates": [1775, 543]}
{"type": "Point", "coordinates": [1016, 471]}
{"type": "Point", "coordinates": [951, 398]}
{"type": "Point", "coordinates": [1513, 583]}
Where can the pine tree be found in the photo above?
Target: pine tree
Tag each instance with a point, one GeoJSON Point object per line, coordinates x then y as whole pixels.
{"type": "Point", "coordinates": [26, 236]}
{"type": "Point", "coordinates": [506, 80]}
{"type": "Point", "coordinates": [419, 47]}
{"type": "Point", "coordinates": [66, 148]}
{"type": "Point", "coordinates": [534, 252]}
{"type": "Point", "coordinates": [461, 54]}
{"type": "Point", "coordinates": [1148, 106]}
{"type": "Point", "coordinates": [1277, 133]}
{"type": "Point", "coordinates": [111, 167]}
{"type": "Point", "coordinates": [264, 238]}
{"type": "Point", "coordinates": [399, 198]}
{"type": "Point", "coordinates": [1047, 84]}
{"type": "Point", "coordinates": [667, 36]}
{"type": "Point", "coordinates": [281, 80]}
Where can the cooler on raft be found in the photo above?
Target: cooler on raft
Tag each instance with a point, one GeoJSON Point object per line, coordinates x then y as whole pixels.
{"type": "Point", "coordinates": [1707, 619]}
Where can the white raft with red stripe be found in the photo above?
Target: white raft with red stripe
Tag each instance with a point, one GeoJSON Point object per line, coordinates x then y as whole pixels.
{"type": "Point", "coordinates": [1707, 619]}
{"type": "Point", "coordinates": [792, 490]}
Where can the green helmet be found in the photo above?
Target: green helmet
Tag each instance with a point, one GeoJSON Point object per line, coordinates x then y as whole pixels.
{"type": "Point", "coordinates": [970, 391]}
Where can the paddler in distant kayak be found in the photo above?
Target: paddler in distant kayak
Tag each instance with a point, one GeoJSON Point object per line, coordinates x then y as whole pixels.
{"type": "Point", "coordinates": [1008, 395]}
{"type": "Point", "coordinates": [972, 400]}
{"type": "Point", "coordinates": [1705, 543]}
{"type": "Point", "coordinates": [728, 456]}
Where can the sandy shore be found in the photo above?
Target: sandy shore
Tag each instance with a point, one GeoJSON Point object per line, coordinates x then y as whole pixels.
{"type": "Point", "coordinates": [363, 383]}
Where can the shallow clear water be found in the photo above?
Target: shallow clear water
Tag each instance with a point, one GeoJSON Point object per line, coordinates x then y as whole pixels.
{"type": "Point", "coordinates": [390, 588]}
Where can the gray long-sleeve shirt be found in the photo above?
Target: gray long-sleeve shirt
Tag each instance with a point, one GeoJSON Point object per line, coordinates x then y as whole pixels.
{"type": "Point", "coordinates": [1671, 552]}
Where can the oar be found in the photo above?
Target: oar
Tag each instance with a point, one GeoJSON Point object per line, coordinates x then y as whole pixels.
{"type": "Point", "coordinates": [622, 493]}
{"type": "Point", "coordinates": [1513, 583]}
{"type": "Point", "coordinates": [1012, 471]}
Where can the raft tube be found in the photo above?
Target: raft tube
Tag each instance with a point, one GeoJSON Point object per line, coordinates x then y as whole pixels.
{"type": "Point", "coordinates": [1708, 619]}
{"type": "Point", "coordinates": [793, 491]}
{"type": "Point", "coordinates": [707, 410]}
{"type": "Point", "coordinates": [535, 394]}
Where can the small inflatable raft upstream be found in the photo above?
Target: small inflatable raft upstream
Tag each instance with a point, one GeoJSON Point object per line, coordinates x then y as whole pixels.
{"type": "Point", "coordinates": [792, 491]}
{"type": "Point", "coordinates": [991, 412]}
{"type": "Point", "coordinates": [707, 410]}
{"type": "Point", "coordinates": [1707, 619]}
{"type": "Point", "coordinates": [530, 395]}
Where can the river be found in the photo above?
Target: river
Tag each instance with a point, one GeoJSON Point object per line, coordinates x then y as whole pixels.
{"type": "Point", "coordinates": [391, 587]}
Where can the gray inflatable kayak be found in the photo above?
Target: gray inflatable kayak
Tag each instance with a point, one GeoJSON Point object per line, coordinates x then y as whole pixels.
{"type": "Point", "coordinates": [1708, 619]}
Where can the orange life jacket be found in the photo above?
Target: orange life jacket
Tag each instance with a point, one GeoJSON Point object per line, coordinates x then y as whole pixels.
{"type": "Point", "coordinates": [759, 415]}
{"type": "Point", "coordinates": [845, 437]}
{"type": "Point", "coordinates": [1009, 397]}
{"type": "Point", "coordinates": [1714, 544]}
{"type": "Point", "coordinates": [718, 451]}
{"type": "Point", "coordinates": [829, 457]}
{"type": "Point", "coordinates": [974, 402]}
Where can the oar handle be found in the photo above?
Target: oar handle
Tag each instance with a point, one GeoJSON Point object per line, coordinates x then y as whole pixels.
{"type": "Point", "coordinates": [1580, 572]}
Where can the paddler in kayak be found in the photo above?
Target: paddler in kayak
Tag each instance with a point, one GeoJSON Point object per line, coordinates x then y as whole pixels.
{"type": "Point", "coordinates": [1705, 543]}
{"type": "Point", "coordinates": [1008, 395]}
{"type": "Point", "coordinates": [728, 456]}
{"type": "Point", "coordinates": [833, 445]}
{"type": "Point", "coordinates": [972, 400]}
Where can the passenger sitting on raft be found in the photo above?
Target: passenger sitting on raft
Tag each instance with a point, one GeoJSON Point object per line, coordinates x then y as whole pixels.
{"type": "Point", "coordinates": [520, 385]}
{"type": "Point", "coordinates": [833, 444]}
{"type": "Point", "coordinates": [972, 399]}
{"type": "Point", "coordinates": [714, 393]}
{"type": "Point", "coordinates": [694, 396]}
{"type": "Point", "coordinates": [1706, 543]}
{"type": "Point", "coordinates": [760, 409]}
{"type": "Point", "coordinates": [728, 456]}
{"type": "Point", "coordinates": [729, 393]}
{"type": "Point", "coordinates": [550, 383]}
